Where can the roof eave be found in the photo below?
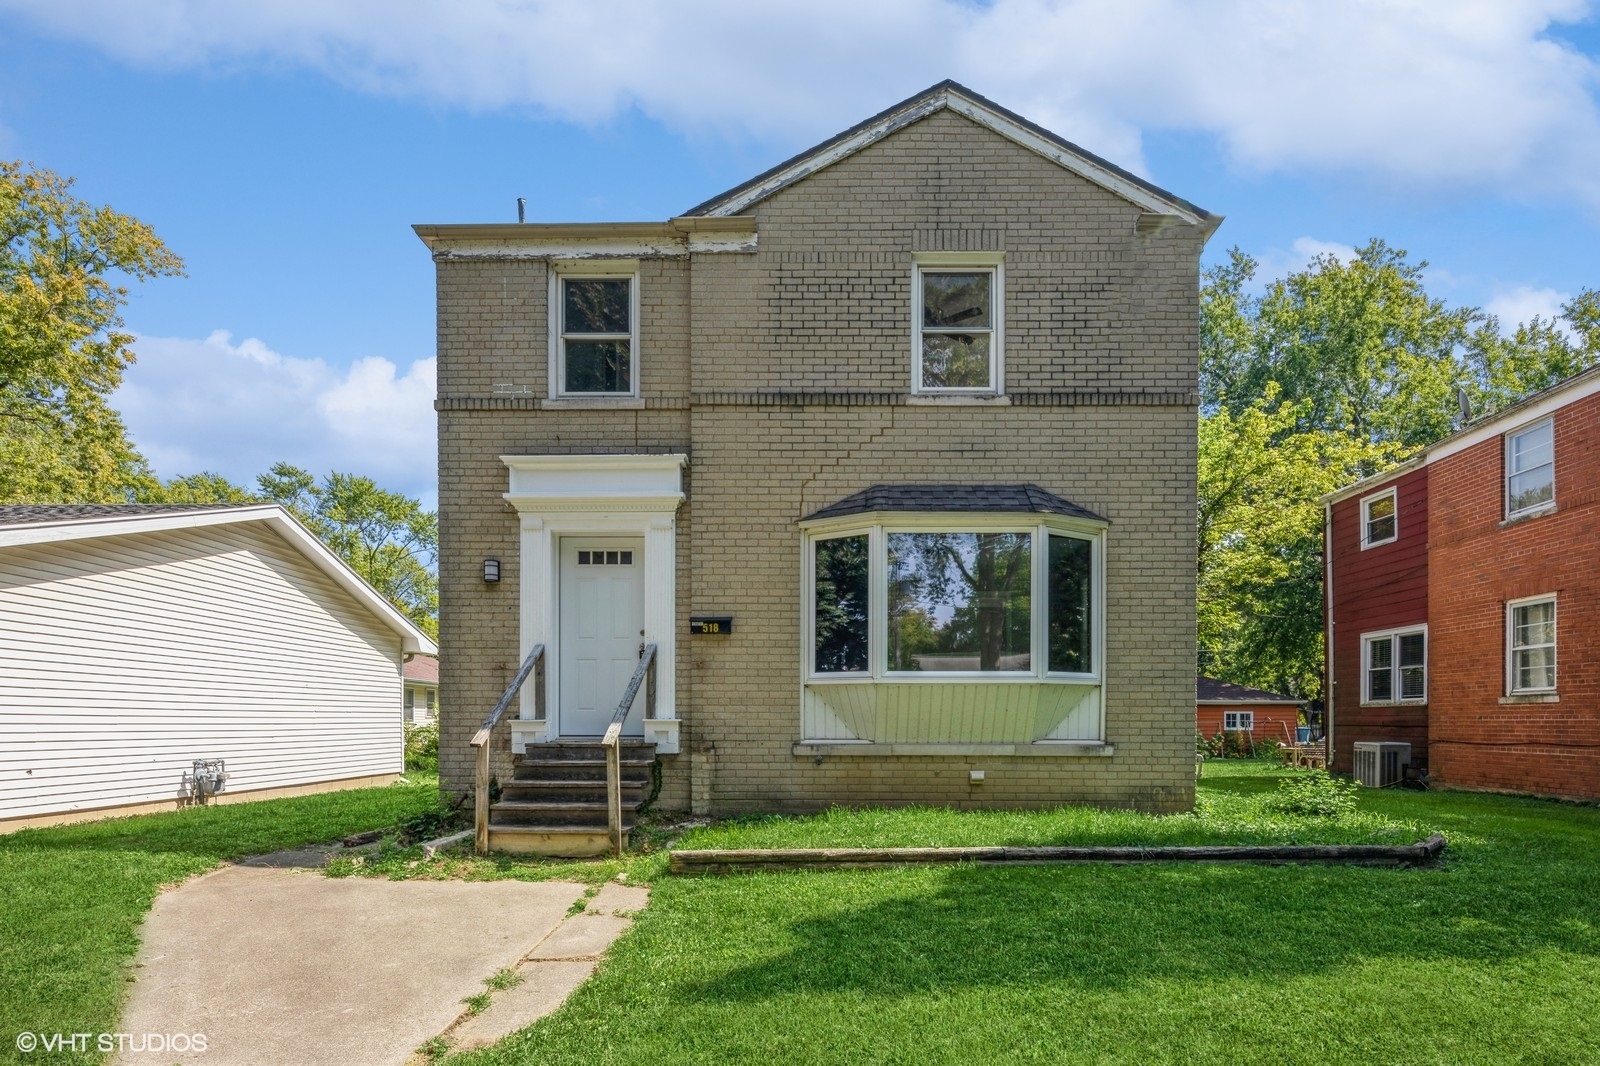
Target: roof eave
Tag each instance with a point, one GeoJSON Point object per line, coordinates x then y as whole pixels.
{"type": "Point", "coordinates": [956, 97]}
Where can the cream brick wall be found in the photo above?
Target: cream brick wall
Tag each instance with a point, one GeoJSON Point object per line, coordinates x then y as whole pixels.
{"type": "Point", "coordinates": [1101, 361]}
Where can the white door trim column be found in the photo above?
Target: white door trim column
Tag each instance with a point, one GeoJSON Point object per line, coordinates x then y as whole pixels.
{"type": "Point", "coordinates": [596, 494]}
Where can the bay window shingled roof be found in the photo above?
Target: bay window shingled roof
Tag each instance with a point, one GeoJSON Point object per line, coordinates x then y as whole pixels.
{"type": "Point", "coordinates": [989, 499]}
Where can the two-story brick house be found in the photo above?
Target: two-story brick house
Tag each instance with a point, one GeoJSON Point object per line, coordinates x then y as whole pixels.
{"type": "Point", "coordinates": [910, 417]}
{"type": "Point", "coordinates": [1462, 598]}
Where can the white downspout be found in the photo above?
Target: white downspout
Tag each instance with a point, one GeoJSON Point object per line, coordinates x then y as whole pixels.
{"type": "Point", "coordinates": [1327, 648]}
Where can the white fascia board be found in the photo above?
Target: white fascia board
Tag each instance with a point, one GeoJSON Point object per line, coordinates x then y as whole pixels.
{"type": "Point", "coordinates": [563, 247]}
{"type": "Point", "coordinates": [412, 638]}
{"type": "Point", "coordinates": [1374, 481]}
{"type": "Point", "coordinates": [1515, 415]}
{"type": "Point", "coordinates": [1252, 703]}
{"type": "Point", "coordinates": [961, 105]}
{"type": "Point", "coordinates": [1529, 410]}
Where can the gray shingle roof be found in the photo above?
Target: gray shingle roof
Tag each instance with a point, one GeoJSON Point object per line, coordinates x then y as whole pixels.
{"type": "Point", "coordinates": [1207, 689]}
{"type": "Point", "coordinates": [986, 498]}
{"type": "Point", "coordinates": [26, 514]}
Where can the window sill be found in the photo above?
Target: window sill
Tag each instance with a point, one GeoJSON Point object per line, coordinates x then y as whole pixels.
{"type": "Point", "coordinates": [593, 403]}
{"type": "Point", "coordinates": [1393, 703]}
{"type": "Point", "coordinates": [1378, 543]}
{"type": "Point", "coordinates": [1050, 748]}
{"type": "Point", "coordinates": [1531, 697]}
{"type": "Point", "coordinates": [1518, 519]}
{"type": "Point", "coordinates": [926, 399]}
{"type": "Point", "coordinates": [996, 678]}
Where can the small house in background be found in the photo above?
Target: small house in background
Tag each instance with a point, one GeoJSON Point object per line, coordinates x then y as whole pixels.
{"type": "Point", "coordinates": [1223, 707]}
{"type": "Point", "coordinates": [152, 657]}
{"type": "Point", "coordinates": [421, 673]}
{"type": "Point", "coordinates": [1463, 603]}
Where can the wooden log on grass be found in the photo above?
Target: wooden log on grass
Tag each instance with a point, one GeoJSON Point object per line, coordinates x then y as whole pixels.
{"type": "Point", "coordinates": [694, 862]}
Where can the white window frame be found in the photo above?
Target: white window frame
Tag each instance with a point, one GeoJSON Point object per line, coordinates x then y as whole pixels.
{"type": "Point", "coordinates": [876, 529]}
{"type": "Point", "coordinates": [560, 273]}
{"type": "Point", "coordinates": [1512, 648]}
{"type": "Point", "coordinates": [1508, 473]}
{"type": "Point", "coordinates": [1393, 635]}
{"type": "Point", "coordinates": [966, 263]}
{"type": "Point", "coordinates": [1247, 718]}
{"type": "Point", "coordinates": [1366, 522]}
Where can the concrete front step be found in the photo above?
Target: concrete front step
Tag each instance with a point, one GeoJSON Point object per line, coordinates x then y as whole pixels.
{"type": "Point", "coordinates": [520, 812]}
{"type": "Point", "coordinates": [525, 770]}
{"type": "Point", "coordinates": [633, 793]}
{"type": "Point", "coordinates": [583, 750]}
{"type": "Point", "coordinates": [562, 841]}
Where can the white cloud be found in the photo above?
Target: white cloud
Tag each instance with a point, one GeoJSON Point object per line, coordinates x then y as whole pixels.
{"type": "Point", "coordinates": [1515, 306]}
{"type": "Point", "coordinates": [1276, 263]}
{"type": "Point", "coordinates": [1470, 93]}
{"type": "Point", "coordinates": [236, 409]}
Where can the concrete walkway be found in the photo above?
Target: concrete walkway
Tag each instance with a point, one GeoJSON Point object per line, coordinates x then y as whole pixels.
{"type": "Point", "coordinates": [276, 964]}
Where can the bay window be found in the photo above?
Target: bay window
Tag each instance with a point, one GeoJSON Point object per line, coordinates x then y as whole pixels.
{"type": "Point", "coordinates": [955, 596]}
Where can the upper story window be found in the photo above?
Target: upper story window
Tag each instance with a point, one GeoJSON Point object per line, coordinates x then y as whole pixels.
{"type": "Point", "coordinates": [1531, 645]}
{"type": "Point", "coordinates": [1396, 666]}
{"type": "Point", "coordinates": [1379, 522]}
{"type": "Point", "coordinates": [596, 334]}
{"type": "Point", "coordinates": [1530, 468]}
{"type": "Point", "coordinates": [956, 317]}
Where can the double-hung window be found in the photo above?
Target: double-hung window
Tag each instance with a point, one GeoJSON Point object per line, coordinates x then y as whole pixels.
{"type": "Point", "coordinates": [1239, 721]}
{"type": "Point", "coordinates": [1395, 666]}
{"type": "Point", "coordinates": [1379, 523]}
{"type": "Point", "coordinates": [1531, 644]}
{"type": "Point", "coordinates": [900, 600]}
{"type": "Point", "coordinates": [1530, 469]}
{"type": "Point", "coordinates": [595, 334]}
{"type": "Point", "coordinates": [956, 318]}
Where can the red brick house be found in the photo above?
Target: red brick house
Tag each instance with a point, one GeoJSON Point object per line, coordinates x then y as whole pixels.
{"type": "Point", "coordinates": [1223, 707]}
{"type": "Point", "coordinates": [1461, 601]}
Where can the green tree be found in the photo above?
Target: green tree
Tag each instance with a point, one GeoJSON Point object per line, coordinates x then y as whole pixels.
{"type": "Point", "coordinates": [386, 537]}
{"type": "Point", "coordinates": [61, 350]}
{"type": "Point", "coordinates": [1259, 551]}
{"type": "Point", "coordinates": [200, 488]}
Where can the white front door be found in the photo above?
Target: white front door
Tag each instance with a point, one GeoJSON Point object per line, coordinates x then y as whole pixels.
{"type": "Point", "coordinates": [602, 627]}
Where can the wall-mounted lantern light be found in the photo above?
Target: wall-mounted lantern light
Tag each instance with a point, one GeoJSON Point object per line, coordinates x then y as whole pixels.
{"type": "Point", "coordinates": [491, 571]}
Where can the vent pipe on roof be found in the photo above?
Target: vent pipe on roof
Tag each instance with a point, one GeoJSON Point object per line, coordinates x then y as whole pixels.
{"type": "Point", "coordinates": [522, 209]}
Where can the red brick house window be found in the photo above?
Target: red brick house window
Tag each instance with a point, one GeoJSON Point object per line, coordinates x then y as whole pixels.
{"type": "Point", "coordinates": [1396, 666]}
{"type": "Point", "coordinates": [1531, 635]}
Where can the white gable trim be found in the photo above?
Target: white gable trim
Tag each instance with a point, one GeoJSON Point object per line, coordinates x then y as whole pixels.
{"type": "Point", "coordinates": [412, 638]}
{"type": "Point", "coordinates": [1085, 168]}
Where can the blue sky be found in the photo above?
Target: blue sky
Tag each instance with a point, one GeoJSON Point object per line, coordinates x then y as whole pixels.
{"type": "Point", "coordinates": [284, 150]}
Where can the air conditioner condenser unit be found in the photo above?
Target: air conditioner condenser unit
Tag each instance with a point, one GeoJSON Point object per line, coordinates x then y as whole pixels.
{"type": "Point", "coordinates": [1379, 764]}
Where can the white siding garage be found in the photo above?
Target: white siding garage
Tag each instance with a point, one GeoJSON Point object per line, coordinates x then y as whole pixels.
{"type": "Point", "coordinates": [134, 641]}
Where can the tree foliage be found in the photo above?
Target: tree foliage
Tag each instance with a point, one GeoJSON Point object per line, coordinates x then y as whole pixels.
{"type": "Point", "coordinates": [62, 353]}
{"type": "Point", "coordinates": [386, 537]}
{"type": "Point", "coordinates": [1308, 383]}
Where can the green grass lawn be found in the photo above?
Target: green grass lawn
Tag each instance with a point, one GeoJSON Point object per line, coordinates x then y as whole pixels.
{"type": "Point", "coordinates": [72, 898]}
{"type": "Point", "coordinates": [1492, 957]}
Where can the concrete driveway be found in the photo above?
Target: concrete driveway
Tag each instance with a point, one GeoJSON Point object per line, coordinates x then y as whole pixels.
{"type": "Point", "coordinates": [277, 965]}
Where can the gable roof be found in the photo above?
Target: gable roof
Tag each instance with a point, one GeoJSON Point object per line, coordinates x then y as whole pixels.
{"type": "Point", "coordinates": [24, 524]}
{"type": "Point", "coordinates": [1210, 690]}
{"type": "Point", "coordinates": [952, 96]}
{"type": "Point", "coordinates": [936, 498]}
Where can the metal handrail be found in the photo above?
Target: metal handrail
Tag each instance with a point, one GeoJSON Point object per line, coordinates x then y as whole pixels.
{"type": "Point", "coordinates": [533, 664]}
{"type": "Point", "coordinates": [645, 674]}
